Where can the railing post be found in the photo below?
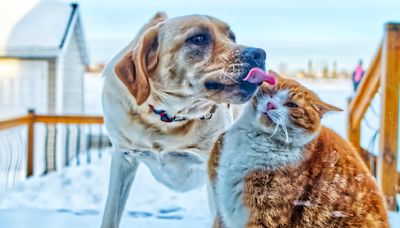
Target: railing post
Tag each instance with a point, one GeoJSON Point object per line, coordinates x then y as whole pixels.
{"type": "Point", "coordinates": [31, 142]}
{"type": "Point", "coordinates": [353, 134]}
{"type": "Point", "coordinates": [389, 135]}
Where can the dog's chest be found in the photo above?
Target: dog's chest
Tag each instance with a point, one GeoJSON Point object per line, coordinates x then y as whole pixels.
{"type": "Point", "coordinates": [159, 136]}
{"type": "Point", "coordinates": [155, 140]}
{"type": "Point", "coordinates": [178, 160]}
{"type": "Point", "coordinates": [178, 170]}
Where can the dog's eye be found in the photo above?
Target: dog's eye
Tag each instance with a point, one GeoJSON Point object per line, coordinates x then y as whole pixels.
{"type": "Point", "coordinates": [291, 105]}
{"type": "Point", "coordinates": [199, 39]}
{"type": "Point", "coordinates": [232, 36]}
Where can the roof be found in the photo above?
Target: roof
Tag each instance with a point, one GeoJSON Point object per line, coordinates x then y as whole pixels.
{"type": "Point", "coordinates": [39, 29]}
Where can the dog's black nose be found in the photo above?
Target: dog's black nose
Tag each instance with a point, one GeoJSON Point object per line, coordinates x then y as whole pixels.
{"type": "Point", "coordinates": [256, 55]}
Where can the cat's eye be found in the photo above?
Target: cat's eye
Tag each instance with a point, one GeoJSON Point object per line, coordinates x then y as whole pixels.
{"type": "Point", "coordinates": [291, 105]}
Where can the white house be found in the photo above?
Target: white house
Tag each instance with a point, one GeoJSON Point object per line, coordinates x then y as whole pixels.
{"type": "Point", "coordinates": [42, 57]}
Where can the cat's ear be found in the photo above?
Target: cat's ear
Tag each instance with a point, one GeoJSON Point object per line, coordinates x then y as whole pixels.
{"type": "Point", "coordinates": [276, 75]}
{"type": "Point", "coordinates": [324, 108]}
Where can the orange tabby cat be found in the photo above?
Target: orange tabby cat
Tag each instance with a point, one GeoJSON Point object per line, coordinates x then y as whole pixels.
{"type": "Point", "coordinates": [278, 167]}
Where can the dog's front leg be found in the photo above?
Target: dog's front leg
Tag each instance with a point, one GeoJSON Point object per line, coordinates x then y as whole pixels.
{"type": "Point", "coordinates": [123, 170]}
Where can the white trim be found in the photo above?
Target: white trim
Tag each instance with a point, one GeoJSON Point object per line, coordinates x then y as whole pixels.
{"type": "Point", "coordinates": [30, 53]}
{"type": "Point", "coordinates": [69, 33]}
{"type": "Point", "coordinates": [59, 77]}
{"type": "Point", "coordinates": [76, 25]}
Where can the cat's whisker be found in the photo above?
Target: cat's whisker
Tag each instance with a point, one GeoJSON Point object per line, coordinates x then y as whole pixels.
{"type": "Point", "coordinates": [286, 134]}
{"type": "Point", "coordinates": [275, 130]}
{"type": "Point", "coordinates": [284, 128]}
{"type": "Point", "coordinates": [226, 75]}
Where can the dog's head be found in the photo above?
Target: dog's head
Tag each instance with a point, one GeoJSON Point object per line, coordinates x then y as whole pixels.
{"type": "Point", "coordinates": [189, 58]}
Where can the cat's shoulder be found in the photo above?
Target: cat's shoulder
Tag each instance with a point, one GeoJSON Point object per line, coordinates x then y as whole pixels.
{"type": "Point", "coordinates": [329, 139]}
{"type": "Point", "coordinates": [336, 149]}
{"type": "Point", "coordinates": [327, 133]}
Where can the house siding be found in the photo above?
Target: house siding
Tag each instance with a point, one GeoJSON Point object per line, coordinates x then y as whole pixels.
{"type": "Point", "coordinates": [23, 86]}
{"type": "Point", "coordinates": [73, 72]}
{"type": "Point", "coordinates": [51, 100]}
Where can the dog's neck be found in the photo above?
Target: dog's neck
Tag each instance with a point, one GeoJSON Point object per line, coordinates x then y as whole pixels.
{"type": "Point", "coordinates": [165, 117]}
{"type": "Point", "coordinates": [170, 109]}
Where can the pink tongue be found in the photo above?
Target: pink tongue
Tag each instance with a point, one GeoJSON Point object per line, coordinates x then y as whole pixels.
{"type": "Point", "coordinates": [257, 75]}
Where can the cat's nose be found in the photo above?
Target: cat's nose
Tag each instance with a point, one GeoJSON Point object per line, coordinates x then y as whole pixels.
{"type": "Point", "coordinates": [271, 106]}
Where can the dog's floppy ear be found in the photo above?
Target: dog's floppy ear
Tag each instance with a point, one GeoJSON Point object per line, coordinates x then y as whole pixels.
{"type": "Point", "coordinates": [157, 18]}
{"type": "Point", "coordinates": [134, 67]}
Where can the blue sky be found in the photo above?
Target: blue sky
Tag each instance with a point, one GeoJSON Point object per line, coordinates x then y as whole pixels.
{"type": "Point", "coordinates": [292, 32]}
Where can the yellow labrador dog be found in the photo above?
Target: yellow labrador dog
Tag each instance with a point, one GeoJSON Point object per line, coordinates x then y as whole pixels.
{"type": "Point", "coordinates": [165, 100]}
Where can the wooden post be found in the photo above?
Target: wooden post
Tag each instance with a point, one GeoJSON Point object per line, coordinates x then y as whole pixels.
{"type": "Point", "coordinates": [353, 133]}
{"type": "Point", "coordinates": [359, 104]}
{"type": "Point", "coordinates": [31, 142]}
{"type": "Point", "coordinates": [390, 82]}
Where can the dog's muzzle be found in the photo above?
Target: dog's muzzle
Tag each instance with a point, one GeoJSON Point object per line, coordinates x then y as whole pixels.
{"type": "Point", "coordinates": [253, 57]}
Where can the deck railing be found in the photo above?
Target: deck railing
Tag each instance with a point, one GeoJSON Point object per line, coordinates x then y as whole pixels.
{"type": "Point", "coordinates": [31, 120]}
{"type": "Point", "coordinates": [384, 76]}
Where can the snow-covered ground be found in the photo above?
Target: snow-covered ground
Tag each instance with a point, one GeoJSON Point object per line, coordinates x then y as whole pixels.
{"type": "Point", "coordinates": [75, 196]}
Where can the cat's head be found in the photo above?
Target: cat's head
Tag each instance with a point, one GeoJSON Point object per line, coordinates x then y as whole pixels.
{"type": "Point", "coordinates": [289, 111]}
